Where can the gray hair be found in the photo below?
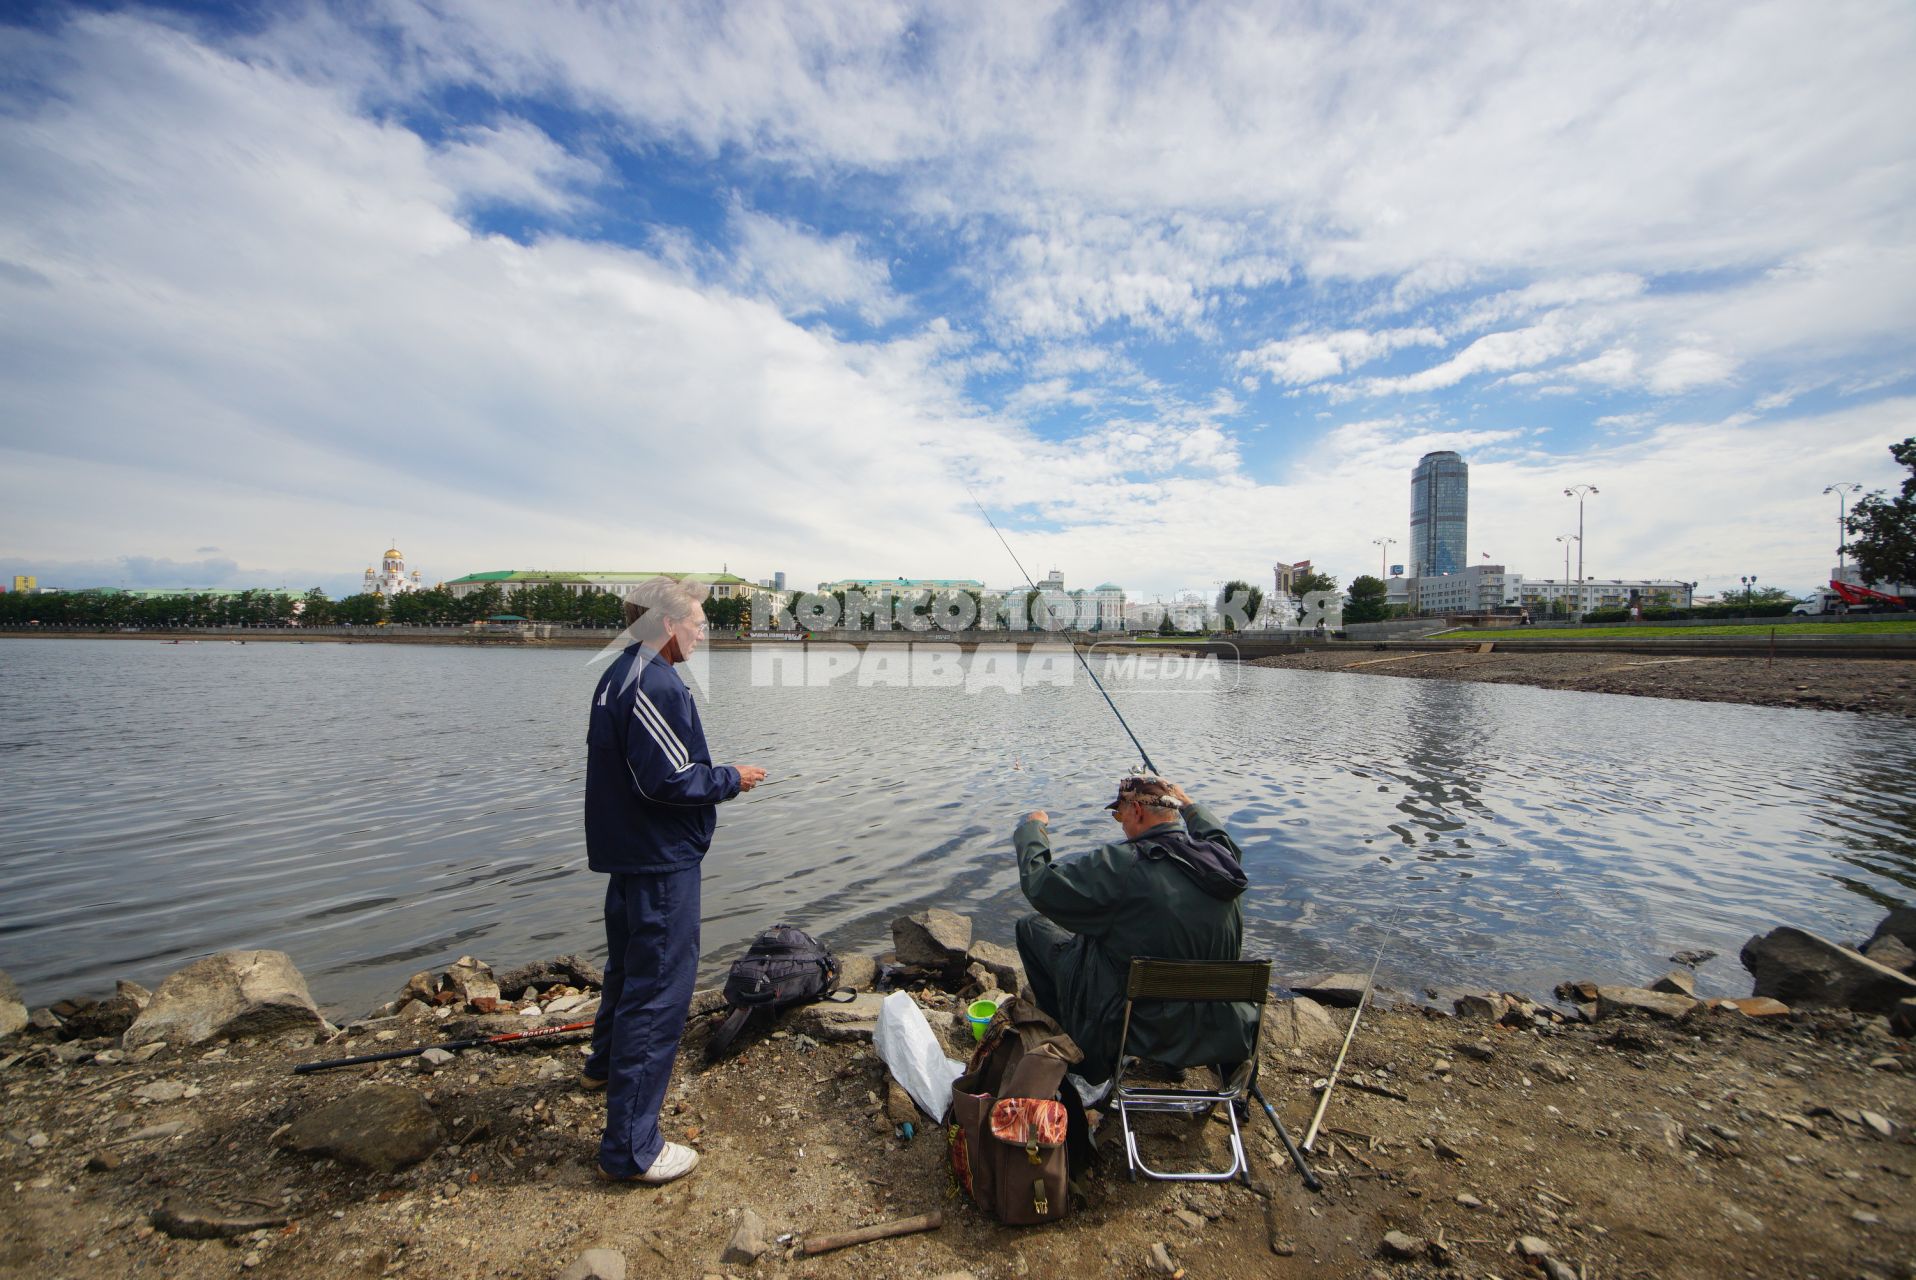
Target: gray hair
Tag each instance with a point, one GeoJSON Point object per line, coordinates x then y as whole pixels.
{"type": "Point", "coordinates": [651, 603]}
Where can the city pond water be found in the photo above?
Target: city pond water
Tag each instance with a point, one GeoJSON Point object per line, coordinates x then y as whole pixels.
{"type": "Point", "coordinates": [379, 809]}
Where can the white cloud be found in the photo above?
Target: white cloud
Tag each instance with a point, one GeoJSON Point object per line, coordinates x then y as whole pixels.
{"type": "Point", "coordinates": [513, 163]}
{"type": "Point", "coordinates": [1492, 353]}
{"type": "Point", "coordinates": [806, 273]}
{"type": "Point", "coordinates": [1316, 357]}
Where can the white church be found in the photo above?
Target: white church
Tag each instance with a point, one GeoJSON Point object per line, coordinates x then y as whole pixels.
{"type": "Point", "coordinates": [391, 578]}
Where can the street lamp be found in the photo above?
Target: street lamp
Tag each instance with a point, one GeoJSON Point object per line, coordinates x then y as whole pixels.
{"type": "Point", "coordinates": [1383, 555]}
{"type": "Point", "coordinates": [1580, 492]}
{"type": "Point", "coordinates": [1567, 539]}
{"type": "Point", "coordinates": [1749, 589]}
{"type": "Point", "coordinates": [1842, 492]}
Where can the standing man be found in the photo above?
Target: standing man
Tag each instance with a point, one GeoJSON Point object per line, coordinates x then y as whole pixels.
{"type": "Point", "coordinates": [1168, 891]}
{"type": "Point", "coordinates": [651, 798]}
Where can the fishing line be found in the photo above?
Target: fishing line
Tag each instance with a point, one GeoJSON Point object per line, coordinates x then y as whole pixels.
{"type": "Point", "coordinates": [1074, 648]}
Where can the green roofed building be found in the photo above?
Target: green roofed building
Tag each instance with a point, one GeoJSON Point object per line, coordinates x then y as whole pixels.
{"type": "Point", "coordinates": [724, 586]}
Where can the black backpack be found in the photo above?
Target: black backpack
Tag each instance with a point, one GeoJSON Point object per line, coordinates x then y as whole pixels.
{"type": "Point", "coordinates": [784, 967]}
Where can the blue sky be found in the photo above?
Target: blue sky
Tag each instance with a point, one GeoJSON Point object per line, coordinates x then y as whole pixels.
{"type": "Point", "coordinates": [1180, 290]}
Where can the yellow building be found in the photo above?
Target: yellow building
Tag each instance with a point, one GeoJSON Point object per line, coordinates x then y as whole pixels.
{"type": "Point", "coordinates": [25, 582]}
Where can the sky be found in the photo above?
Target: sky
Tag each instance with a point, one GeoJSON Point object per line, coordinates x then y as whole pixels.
{"type": "Point", "coordinates": [1176, 290]}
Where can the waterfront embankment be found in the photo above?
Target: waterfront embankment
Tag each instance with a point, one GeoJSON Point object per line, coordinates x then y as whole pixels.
{"type": "Point", "coordinates": [1876, 687]}
{"type": "Point", "coordinates": [1664, 1136]}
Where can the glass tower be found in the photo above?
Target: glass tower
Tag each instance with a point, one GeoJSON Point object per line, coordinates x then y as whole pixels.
{"type": "Point", "coordinates": [1439, 514]}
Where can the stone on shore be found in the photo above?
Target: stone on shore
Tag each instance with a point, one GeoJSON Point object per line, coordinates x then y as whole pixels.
{"type": "Point", "coordinates": [1480, 1006]}
{"type": "Point", "coordinates": [1892, 953]}
{"type": "Point", "coordinates": [1002, 963]}
{"type": "Point", "coordinates": [109, 1018]}
{"type": "Point", "coordinates": [382, 1127]}
{"type": "Point", "coordinates": [1676, 984]}
{"type": "Point", "coordinates": [1299, 1023]}
{"type": "Point", "coordinates": [1755, 1007]}
{"type": "Point", "coordinates": [856, 1019]}
{"type": "Point", "coordinates": [1401, 1247]}
{"type": "Point", "coordinates": [932, 939]}
{"type": "Point", "coordinates": [1803, 970]}
{"type": "Point", "coordinates": [858, 972]}
{"type": "Point", "coordinates": [232, 995]}
{"type": "Point", "coordinates": [596, 1264]}
{"type": "Point", "coordinates": [748, 1240]}
{"type": "Point", "coordinates": [13, 1010]}
{"type": "Point", "coordinates": [566, 970]}
{"type": "Point", "coordinates": [1614, 1001]}
{"type": "Point", "coordinates": [1341, 989]}
{"type": "Point", "coordinates": [1899, 924]}
{"type": "Point", "coordinates": [472, 981]}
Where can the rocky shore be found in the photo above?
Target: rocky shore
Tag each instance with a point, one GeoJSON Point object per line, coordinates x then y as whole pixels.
{"type": "Point", "coordinates": [1865, 687]}
{"type": "Point", "coordinates": [1618, 1131]}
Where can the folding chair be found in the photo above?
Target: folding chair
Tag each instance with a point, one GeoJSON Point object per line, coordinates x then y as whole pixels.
{"type": "Point", "coordinates": [1196, 982]}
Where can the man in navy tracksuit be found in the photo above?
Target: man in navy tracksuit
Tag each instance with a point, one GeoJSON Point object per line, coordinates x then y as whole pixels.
{"type": "Point", "coordinates": [651, 794]}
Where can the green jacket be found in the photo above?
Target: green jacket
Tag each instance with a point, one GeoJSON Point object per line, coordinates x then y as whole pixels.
{"type": "Point", "coordinates": [1122, 906]}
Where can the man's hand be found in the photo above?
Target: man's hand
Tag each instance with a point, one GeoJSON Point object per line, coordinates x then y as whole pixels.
{"type": "Point", "coordinates": [749, 776]}
{"type": "Point", "coordinates": [1039, 816]}
{"type": "Point", "coordinates": [1177, 794]}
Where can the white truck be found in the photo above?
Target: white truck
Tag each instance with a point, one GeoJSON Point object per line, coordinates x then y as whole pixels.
{"type": "Point", "coordinates": [1848, 597]}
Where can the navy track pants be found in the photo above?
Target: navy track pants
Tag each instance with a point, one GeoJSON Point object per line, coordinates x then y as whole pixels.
{"type": "Point", "coordinates": [652, 957]}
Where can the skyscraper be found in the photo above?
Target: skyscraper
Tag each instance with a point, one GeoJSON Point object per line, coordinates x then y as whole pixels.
{"type": "Point", "coordinates": [1439, 514]}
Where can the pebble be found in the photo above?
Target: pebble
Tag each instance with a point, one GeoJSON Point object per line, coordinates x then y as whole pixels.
{"type": "Point", "coordinates": [1469, 1201]}
{"type": "Point", "coordinates": [1481, 1050]}
{"type": "Point", "coordinates": [1557, 1270]}
{"type": "Point", "coordinates": [436, 1057]}
{"type": "Point", "coordinates": [37, 1141]}
{"type": "Point", "coordinates": [1194, 1221]}
{"type": "Point", "coordinates": [250, 1261]}
{"type": "Point", "coordinates": [1533, 1247]}
{"type": "Point", "coordinates": [1161, 1261]}
{"type": "Point", "coordinates": [1879, 1123]}
{"type": "Point", "coordinates": [1398, 1245]}
{"type": "Point", "coordinates": [1865, 1217]}
{"type": "Point", "coordinates": [386, 1037]}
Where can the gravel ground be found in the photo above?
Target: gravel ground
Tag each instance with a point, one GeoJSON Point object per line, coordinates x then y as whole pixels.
{"type": "Point", "coordinates": [1881, 688]}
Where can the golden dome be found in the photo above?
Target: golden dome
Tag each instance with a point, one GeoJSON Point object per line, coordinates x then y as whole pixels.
{"type": "Point", "coordinates": [393, 554]}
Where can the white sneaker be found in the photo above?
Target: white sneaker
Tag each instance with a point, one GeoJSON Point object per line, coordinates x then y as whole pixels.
{"type": "Point", "coordinates": [673, 1162]}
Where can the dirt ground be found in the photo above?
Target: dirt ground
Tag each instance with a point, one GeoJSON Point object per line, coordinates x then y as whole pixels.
{"type": "Point", "coordinates": [1718, 1146]}
{"type": "Point", "coordinates": [1882, 688]}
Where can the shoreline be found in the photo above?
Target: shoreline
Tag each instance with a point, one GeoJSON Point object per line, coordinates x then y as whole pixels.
{"type": "Point", "coordinates": [1882, 687]}
{"type": "Point", "coordinates": [1667, 1136]}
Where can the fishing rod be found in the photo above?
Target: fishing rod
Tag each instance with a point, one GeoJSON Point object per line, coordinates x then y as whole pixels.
{"type": "Point", "coordinates": [1074, 648]}
{"type": "Point", "coordinates": [1323, 1103]}
{"type": "Point", "coordinates": [508, 1037]}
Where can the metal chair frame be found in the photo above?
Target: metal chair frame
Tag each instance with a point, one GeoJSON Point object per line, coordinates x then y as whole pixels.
{"type": "Point", "coordinates": [1191, 981]}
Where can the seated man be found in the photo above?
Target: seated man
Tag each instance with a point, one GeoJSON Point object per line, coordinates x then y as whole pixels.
{"type": "Point", "coordinates": [1168, 891]}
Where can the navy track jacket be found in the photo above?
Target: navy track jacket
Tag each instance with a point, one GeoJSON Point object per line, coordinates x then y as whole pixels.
{"type": "Point", "coordinates": [651, 789]}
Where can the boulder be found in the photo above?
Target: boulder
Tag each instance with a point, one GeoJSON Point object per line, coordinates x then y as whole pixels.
{"type": "Point", "coordinates": [230, 995]}
{"type": "Point", "coordinates": [1614, 1001]}
{"type": "Point", "coordinates": [1899, 924]}
{"type": "Point", "coordinates": [382, 1127]}
{"type": "Point", "coordinates": [933, 939]}
{"type": "Point", "coordinates": [472, 981]}
{"type": "Point", "coordinates": [1892, 953]}
{"type": "Point", "coordinates": [1341, 989]}
{"type": "Point", "coordinates": [826, 1020]}
{"type": "Point", "coordinates": [1480, 1006]}
{"type": "Point", "coordinates": [596, 1264]}
{"type": "Point", "coordinates": [567, 970]}
{"type": "Point", "coordinates": [1299, 1023]}
{"type": "Point", "coordinates": [1002, 963]}
{"type": "Point", "coordinates": [1676, 984]}
{"type": "Point", "coordinates": [858, 972]}
{"type": "Point", "coordinates": [1801, 969]}
{"type": "Point", "coordinates": [13, 1010]}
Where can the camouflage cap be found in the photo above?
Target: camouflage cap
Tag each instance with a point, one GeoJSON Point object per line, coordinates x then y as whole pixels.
{"type": "Point", "coordinates": [1146, 789]}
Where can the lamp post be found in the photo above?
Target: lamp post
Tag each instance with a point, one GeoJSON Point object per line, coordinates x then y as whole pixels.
{"type": "Point", "coordinates": [1749, 589]}
{"type": "Point", "coordinates": [1579, 492]}
{"type": "Point", "coordinates": [1567, 539]}
{"type": "Point", "coordinates": [1842, 492]}
{"type": "Point", "coordinates": [1383, 546]}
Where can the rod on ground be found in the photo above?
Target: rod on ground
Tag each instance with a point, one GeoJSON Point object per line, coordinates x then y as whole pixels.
{"type": "Point", "coordinates": [811, 1246]}
{"type": "Point", "coordinates": [508, 1037]}
{"type": "Point", "coordinates": [1324, 1102]}
{"type": "Point", "coordinates": [1297, 1157]}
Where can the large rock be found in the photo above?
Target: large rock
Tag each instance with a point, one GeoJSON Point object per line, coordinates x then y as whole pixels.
{"type": "Point", "coordinates": [230, 995]}
{"type": "Point", "coordinates": [1002, 963]}
{"type": "Point", "coordinates": [934, 939]}
{"type": "Point", "coordinates": [1899, 924]}
{"type": "Point", "coordinates": [1892, 952]}
{"type": "Point", "coordinates": [88, 1019]}
{"type": "Point", "coordinates": [1300, 1023]}
{"type": "Point", "coordinates": [1612, 1001]}
{"type": "Point", "coordinates": [856, 1019]}
{"type": "Point", "coordinates": [567, 970]}
{"type": "Point", "coordinates": [382, 1127]}
{"type": "Point", "coordinates": [857, 971]}
{"type": "Point", "coordinates": [13, 1009]}
{"type": "Point", "coordinates": [472, 981]}
{"type": "Point", "coordinates": [1341, 989]}
{"type": "Point", "coordinates": [1801, 969]}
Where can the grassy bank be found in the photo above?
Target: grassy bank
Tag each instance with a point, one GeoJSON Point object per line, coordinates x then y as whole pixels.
{"type": "Point", "coordinates": [1885, 627]}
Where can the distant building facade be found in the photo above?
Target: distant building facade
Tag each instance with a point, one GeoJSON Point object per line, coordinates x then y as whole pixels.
{"type": "Point", "coordinates": [1480, 588]}
{"type": "Point", "coordinates": [390, 578]}
{"type": "Point", "coordinates": [1540, 595]}
{"type": "Point", "coordinates": [1439, 515]}
{"type": "Point", "coordinates": [723, 585]}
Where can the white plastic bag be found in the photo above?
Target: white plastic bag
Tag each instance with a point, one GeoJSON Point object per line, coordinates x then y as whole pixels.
{"type": "Point", "coordinates": [908, 1047]}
